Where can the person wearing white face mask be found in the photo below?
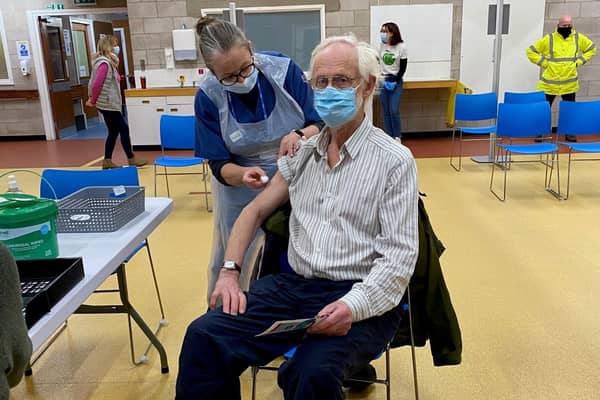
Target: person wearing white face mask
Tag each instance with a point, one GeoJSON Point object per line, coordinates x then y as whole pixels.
{"type": "Point", "coordinates": [352, 249]}
{"type": "Point", "coordinates": [252, 109]}
{"type": "Point", "coordinates": [104, 93]}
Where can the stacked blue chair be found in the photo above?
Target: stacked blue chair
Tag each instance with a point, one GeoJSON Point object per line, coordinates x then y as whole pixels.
{"type": "Point", "coordinates": [472, 108]}
{"type": "Point", "coordinates": [177, 132]}
{"type": "Point", "coordinates": [579, 118]}
{"type": "Point", "coordinates": [61, 183]}
{"type": "Point", "coordinates": [524, 97]}
{"type": "Point", "coordinates": [523, 121]}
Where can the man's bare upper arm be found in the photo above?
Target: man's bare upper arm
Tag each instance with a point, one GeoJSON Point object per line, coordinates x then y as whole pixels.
{"type": "Point", "coordinates": [274, 195]}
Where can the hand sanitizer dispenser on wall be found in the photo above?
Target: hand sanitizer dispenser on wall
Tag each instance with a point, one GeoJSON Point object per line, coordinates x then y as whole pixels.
{"type": "Point", "coordinates": [184, 44]}
{"type": "Point", "coordinates": [25, 67]}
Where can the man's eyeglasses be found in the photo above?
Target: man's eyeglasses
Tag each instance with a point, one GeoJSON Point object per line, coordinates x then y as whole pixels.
{"type": "Point", "coordinates": [245, 72]}
{"type": "Point", "coordinates": [337, 81]}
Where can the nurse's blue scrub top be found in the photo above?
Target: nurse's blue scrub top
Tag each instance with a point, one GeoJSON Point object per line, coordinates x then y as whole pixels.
{"type": "Point", "coordinates": [210, 144]}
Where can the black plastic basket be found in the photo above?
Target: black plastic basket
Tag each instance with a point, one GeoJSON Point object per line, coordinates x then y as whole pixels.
{"type": "Point", "coordinates": [98, 209]}
{"type": "Point", "coordinates": [45, 282]}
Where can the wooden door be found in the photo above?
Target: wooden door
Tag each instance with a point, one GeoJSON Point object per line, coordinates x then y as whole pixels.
{"type": "Point", "coordinates": [57, 72]}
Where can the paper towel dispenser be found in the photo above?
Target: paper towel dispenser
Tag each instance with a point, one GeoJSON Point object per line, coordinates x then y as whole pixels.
{"type": "Point", "coordinates": [184, 44]}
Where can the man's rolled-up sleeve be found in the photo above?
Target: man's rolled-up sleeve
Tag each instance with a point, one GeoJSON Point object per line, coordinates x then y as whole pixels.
{"type": "Point", "coordinates": [398, 245]}
{"type": "Point", "coordinates": [287, 168]}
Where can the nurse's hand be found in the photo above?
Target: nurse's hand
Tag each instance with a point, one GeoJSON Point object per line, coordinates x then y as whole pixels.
{"type": "Point", "coordinates": [228, 289]}
{"type": "Point", "coordinates": [252, 178]}
{"type": "Point", "coordinates": [289, 145]}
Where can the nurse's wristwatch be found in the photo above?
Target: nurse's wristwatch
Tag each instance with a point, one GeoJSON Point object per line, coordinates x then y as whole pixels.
{"type": "Point", "coordinates": [299, 133]}
{"type": "Point", "coordinates": [231, 266]}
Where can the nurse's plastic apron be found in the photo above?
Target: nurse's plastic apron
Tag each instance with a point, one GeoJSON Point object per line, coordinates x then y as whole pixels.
{"type": "Point", "coordinates": [251, 144]}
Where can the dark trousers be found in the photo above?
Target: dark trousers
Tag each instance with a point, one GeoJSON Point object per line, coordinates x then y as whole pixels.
{"type": "Point", "coordinates": [566, 97]}
{"type": "Point", "coordinates": [218, 347]}
{"type": "Point", "coordinates": [390, 102]}
{"type": "Point", "coordinates": [117, 127]}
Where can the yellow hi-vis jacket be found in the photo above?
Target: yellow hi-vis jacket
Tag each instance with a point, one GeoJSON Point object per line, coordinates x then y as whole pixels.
{"type": "Point", "coordinates": [559, 59]}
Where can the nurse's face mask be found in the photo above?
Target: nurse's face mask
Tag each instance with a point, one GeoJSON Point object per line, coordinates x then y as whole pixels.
{"type": "Point", "coordinates": [248, 74]}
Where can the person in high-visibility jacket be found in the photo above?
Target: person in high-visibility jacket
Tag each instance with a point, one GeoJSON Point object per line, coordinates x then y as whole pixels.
{"type": "Point", "coordinates": [559, 55]}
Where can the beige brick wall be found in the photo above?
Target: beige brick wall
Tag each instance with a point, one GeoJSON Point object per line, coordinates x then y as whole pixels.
{"type": "Point", "coordinates": [586, 19]}
{"type": "Point", "coordinates": [24, 117]}
{"type": "Point", "coordinates": [422, 110]}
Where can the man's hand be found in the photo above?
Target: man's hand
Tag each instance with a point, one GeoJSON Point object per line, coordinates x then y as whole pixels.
{"type": "Point", "coordinates": [89, 103]}
{"type": "Point", "coordinates": [335, 319]}
{"type": "Point", "coordinates": [228, 288]}
{"type": "Point", "coordinates": [289, 145]}
{"type": "Point", "coordinates": [252, 178]}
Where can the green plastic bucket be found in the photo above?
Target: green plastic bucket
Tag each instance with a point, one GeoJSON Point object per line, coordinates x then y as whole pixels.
{"type": "Point", "coordinates": [28, 226]}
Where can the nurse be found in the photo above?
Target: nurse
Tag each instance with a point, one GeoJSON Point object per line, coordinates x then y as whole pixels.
{"type": "Point", "coordinates": [253, 108]}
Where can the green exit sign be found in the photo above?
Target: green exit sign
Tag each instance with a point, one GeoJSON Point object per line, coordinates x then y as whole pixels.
{"type": "Point", "coordinates": [85, 2]}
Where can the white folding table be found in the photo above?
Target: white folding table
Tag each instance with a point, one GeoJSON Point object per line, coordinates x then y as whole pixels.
{"type": "Point", "coordinates": [102, 254]}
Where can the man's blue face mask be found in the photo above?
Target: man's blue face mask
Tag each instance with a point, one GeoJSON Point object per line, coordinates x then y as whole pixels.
{"type": "Point", "coordinates": [335, 106]}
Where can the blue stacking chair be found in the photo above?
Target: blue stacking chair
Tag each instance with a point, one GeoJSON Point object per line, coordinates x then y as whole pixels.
{"type": "Point", "coordinates": [579, 118]}
{"type": "Point", "coordinates": [61, 183]}
{"type": "Point", "coordinates": [524, 121]}
{"type": "Point", "coordinates": [524, 97]}
{"type": "Point", "coordinates": [177, 132]}
{"type": "Point", "coordinates": [472, 108]}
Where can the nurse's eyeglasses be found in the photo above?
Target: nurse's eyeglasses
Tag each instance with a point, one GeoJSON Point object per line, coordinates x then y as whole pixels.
{"type": "Point", "coordinates": [338, 82]}
{"type": "Point", "coordinates": [245, 72]}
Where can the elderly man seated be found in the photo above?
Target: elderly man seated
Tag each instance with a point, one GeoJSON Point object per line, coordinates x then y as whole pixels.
{"type": "Point", "coordinates": [353, 246]}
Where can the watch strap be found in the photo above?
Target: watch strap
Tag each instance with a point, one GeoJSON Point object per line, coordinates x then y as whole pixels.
{"type": "Point", "coordinates": [299, 132]}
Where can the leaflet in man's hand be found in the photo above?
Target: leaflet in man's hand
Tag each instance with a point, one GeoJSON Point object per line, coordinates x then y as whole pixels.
{"type": "Point", "coordinates": [289, 325]}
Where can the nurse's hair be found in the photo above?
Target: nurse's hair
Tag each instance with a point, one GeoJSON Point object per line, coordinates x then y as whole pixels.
{"type": "Point", "coordinates": [368, 64]}
{"type": "Point", "coordinates": [218, 36]}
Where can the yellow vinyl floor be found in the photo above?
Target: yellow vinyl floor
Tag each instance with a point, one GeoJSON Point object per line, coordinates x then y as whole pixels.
{"type": "Point", "coordinates": [524, 277]}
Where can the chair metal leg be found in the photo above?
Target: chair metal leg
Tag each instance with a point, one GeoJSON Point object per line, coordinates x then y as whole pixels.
{"type": "Point", "coordinates": [163, 321]}
{"type": "Point", "coordinates": [124, 294]}
{"type": "Point", "coordinates": [41, 351]}
{"type": "Point", "coordinates": [412, 346]}
{"type": "Point", "coordinates": [453, 165]}
{"type": "Point", "coordinates": [204, 173]}
{"type": "Point", "coordinates": [505, 162]}
{"type": "Point", "coordinates": [158, 296]}
{"type": "Point", "coordinates": [254, 371]}
{"type": "Point", "coordinates": [167, 182]}
{"type": "Point", "coordinates": [154, 180]}
{"type": "Point", "coordinates": [569, 175]}
{"type": "Point", "coordinates": [548, 178]}
{"type": "Point", "coordinates": [388, 389]}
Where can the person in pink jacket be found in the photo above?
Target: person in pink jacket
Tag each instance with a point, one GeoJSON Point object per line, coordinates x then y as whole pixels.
{"type": "Point", "coordinates": [105, 94]}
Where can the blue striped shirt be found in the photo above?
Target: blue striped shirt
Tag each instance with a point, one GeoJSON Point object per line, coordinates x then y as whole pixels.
{"type": "Point", "coordinates": [356, 221]}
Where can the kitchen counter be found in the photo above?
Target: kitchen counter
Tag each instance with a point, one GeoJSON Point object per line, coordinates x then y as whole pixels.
{"type": "Point", "coordinates": [145, 108]}
{"type": "Point", "coordinates": [162, 91]}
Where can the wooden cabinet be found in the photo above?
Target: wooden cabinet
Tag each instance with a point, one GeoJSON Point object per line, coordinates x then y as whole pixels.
{"type": "Point", "coordinates": [145, 112]}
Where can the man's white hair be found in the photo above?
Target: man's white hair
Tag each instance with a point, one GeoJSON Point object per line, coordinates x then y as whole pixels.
{"type": "Point", "coordinates": [368, 64]}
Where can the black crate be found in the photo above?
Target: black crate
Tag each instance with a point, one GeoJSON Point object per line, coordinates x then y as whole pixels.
{"type": "Point", "coordinates": [45, 282]}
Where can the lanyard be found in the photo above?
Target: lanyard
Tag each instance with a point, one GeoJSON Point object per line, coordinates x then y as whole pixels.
{"type": "Point", "coordinates": [260, 97]}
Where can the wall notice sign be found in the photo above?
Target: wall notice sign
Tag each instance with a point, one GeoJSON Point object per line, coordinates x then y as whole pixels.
{"type": "Point", "coordinates": [67, 37]}
{"type": "Point", "coordinates": [23, 51]}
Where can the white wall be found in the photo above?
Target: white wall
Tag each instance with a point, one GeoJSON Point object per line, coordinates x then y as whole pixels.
{"type": "Point", "coordinates": [516, 72]}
